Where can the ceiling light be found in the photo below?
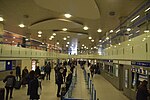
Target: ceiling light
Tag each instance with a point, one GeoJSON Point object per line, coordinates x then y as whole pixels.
{"type": "Point", "coordinates": [68, 36]}
{"type": "Point", "coordinates": [146, 31]}
{"type": "Point", "coordinates": [66, 45]}
{"type": "Point", "coordinates": [5, 39]}
{"type": "Point", "coordinates": [81, 47]}
{"type": "Point", "coordinates": [26, 39]}
{"type": "Point", "coordinates": [67, 42]}
{"type": "Point", "coordinates": [119, 43]}
{"type": "Point", "coordinates": [50, 38]}
{"type": "Point", "coordinates": [39, 32]}
{"type": "Point", "coordinates": [147, 9]}
{"type": "Point", "coordinates": [64, 29]}
{"type": "Point", "coordinates": [92, 40]}
{"type": "Point", "coordinates": [137, 31]}
{"type": "Point", "coordinates": [111, 31]}
{"type": "Point", "coordinates": [85, 28]}
{"type": "Point", "coordinates": [95, 47]}
{"type": "Point", "coordinates": [129, 40]}
{"type": "Point", "coordinates": [100, 40]}
{"type": "Point", "coordinates": [82, 44]}
{"type": "Point", "coordinates": [42, 42]}
{"type": "Point", "coordinates": [65, 38]}
{"type": "Point", "coordinates": [57, 42]}
{"type": "Point", "coordinates": [54, 34]}
{"type": "Point", "coordinates": [128, 44]}
{"type": "Point", "coordinates": [1, 19]}
{"type": "Point", "coordinates": [14, 37]}
{"type": "Point", "coordinates": [107, 38]}
{"type": "Point", "coordinates": [91, 48]}
{"type": "Point", "coordinates": [135, 18]}
{"type": "Point", "coordinates": [21, 25]}
{"type": "Point", "coordinates": [90, 37]}
{"type": "Point", "coordinates": [118, 31]}
{"type": "Point", "coordinates": [39, 35]}
{"type": "Point", "coordinates": [115, 46]}
{"type": "Point", "coordinates": [13, 41]}
{"type": "Point", "coordinates": [128, 29]}
{"type": "Point", "coordinates": [87, 48]}
{"type": "Point", "coordinates": [67, 15]}
{"type": "Point", "coordinates": [99, 30]}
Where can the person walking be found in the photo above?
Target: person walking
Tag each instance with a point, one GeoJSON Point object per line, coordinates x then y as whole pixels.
{"type": "Point", "coordinates": [18, 73]}
{"type": "Point", "coordinates": [48, 71]}
{"type": "Point", "coordinates": [59, 80]}
{"type": "Point", "coordinates": [9, 84]}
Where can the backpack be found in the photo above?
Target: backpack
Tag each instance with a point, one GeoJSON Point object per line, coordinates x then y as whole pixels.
{"type": "Point", "coordinates": [9, 82]}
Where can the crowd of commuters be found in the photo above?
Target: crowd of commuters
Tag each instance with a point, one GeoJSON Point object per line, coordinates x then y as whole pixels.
{"type": "Point", "coordinates": [32, 79]}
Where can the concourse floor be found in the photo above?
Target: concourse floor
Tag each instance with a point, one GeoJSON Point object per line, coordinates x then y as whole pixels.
{"type": "Point", "coordinates": [105, 90]}
{"type": "Point", "coordinates": [49, 90]}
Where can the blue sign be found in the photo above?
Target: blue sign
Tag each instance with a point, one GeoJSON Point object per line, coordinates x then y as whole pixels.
{"type": "Point", "coordinates": [145, 64]}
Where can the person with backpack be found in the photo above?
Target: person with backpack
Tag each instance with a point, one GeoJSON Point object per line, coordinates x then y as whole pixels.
{"type": "Point", "coordinates": [9, 84]}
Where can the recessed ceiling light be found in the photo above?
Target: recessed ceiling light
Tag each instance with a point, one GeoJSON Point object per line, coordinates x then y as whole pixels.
{"type": "Point", "coordinates": [99, 30]}
{"type": "Point", "coordinates": [26, 39]}
{"type": "Point", "coordinates": [67, 42]}
{"type": "Point", "coordinates": [50, 38]}
{"type": "Point", "coordinates": [64, 29]}
{"type": "Point", "coordinates": [66, 45]}
{"type": "Point", "coordinates": [57, 42]}
{"type": "Point", "coordinates": [14, 37]}
{"type": "Point", "coordinates": [21, 25]}
{"type": "Point", "coordinates": [100, 40]}
{"type": "Point", "coordinates": [129, 40]}
{"type": "Point", "coordinates": [92, 40]}
{"type": "Point", "coordinates": [111, 31]}
{"type": "Point", "coordinates": [119, 43]}
{"type": "Point", "coordinates": [5, 39]}
{"type": "Point", "coordinates": [85, 28]}
{"type": "Point", "coordinates": [54, 34]}
{"type": "Point", "coordinates": [128, 29]}
{"type": "Point", "coordinates": [39, 32]}
{"type": "Point", "coordinates": [68, 36]}
{"type": "Point", "coordinates": [90, 37]}
{"type": "Point", "coordinates": [128, 44]}
{"type": "Point", "coordinates": [82, 44]}
{"type": "Point", "coordinates": [65, 38]}
{"type": "Point", "coordinates": [1, 19]}
{"type": "Point", "coordinates": [13, 41]}
{"type": "Point", "coordinates": [67, 15]}
{"type": "Point", "coordinates": [107, 38]}
{"type": "Point", "coordinates": [39, 35]}
{"type": "Point", "coordinates": [42, 42]}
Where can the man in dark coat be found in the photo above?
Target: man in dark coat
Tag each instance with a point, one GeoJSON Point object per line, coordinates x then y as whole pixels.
{"type": "Point", "coordinates": [142, 92]}
{"type": "Point", "coordinates": [48, 71]}
{"type": "Point", "coordinates": [18, 73]}
{"type": "Point", "coordinates": [59, 80]}
{"type": "Point", "coordinates": [10, 82]}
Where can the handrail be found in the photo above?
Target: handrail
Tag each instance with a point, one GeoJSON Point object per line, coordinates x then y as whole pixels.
{"type": "Point", "coordinates": [90, 86]}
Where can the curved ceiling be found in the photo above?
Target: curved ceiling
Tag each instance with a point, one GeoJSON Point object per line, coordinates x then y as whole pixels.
{"type": "Point", "coordinates": [77, 8]}
{"type": "Point", "coordinates": [55, 24]}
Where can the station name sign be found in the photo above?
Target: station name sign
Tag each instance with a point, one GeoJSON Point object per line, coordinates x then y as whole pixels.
{"type": "Point", "coordinates": [145, 64]}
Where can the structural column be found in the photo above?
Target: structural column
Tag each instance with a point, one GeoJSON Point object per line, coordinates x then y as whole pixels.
{"type": "Point", "coordinates": [1, 31]}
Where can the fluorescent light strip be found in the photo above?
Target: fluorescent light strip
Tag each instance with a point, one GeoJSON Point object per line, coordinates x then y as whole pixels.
{"type": "Point", "coordinates": [147, 9]}
{"type": "Point", "coordinates": [135, 18]}
{"type": "Point", "coordinates": [117, 31]}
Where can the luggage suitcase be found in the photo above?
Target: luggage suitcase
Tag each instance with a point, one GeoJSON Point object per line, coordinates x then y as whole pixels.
{"type": "Point", "coordinates": [17, 85]}
{"type": "Point", "coordinates": [2, 93]}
